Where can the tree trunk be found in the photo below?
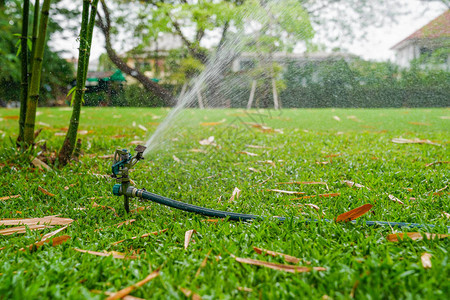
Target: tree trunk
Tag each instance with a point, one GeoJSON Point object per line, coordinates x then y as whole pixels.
{"type": "Point", "coordinates": [83, 61]}
{"type": "Point", "coordinates": [200, 100]}
{"type": "Point", "coordinates": [24, 68]}
{"type": "Point", "coordinates": [148, 84]}
{"type": "Point", "coordinates": [183, 91]}
{"type": "Point", "coordinates": [33, 93]}
{"type": "Point", "coordinates": [252, 94]}
{"type": "Point", "coordinates": [275, 94]}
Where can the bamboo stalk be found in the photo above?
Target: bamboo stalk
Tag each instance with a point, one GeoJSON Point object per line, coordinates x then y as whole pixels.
{"type": "Point", "coordinates": [33, 94]}
{"type": "Point", "coordinates": [24, 68]}
{"type": "Point", "coordinates": [71, 136]}
{"type": "Point", "coordinates": [91, 24]}
{"type": "Point", "coordinates": [34, 36]}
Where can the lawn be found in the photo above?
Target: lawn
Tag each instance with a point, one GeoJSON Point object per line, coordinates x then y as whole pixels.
{"type": "Point", "coordinates": [325, 146]}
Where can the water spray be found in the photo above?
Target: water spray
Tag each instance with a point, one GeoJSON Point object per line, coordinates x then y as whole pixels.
{"type": "Point", "coordinates": [123, 161]}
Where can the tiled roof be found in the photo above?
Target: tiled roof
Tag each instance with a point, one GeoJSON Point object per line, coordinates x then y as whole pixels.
{"type": "Point", "coordinates": [437, 28]}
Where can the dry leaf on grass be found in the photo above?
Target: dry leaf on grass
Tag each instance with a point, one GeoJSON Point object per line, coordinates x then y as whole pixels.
{"type": "Point", "coordinates": [437, 163]}
{"type": "Point", "coordinates": [55, 242]}
{"type": "Point", "coordinates": [320, 196]}
{"type": "Point", "coordinates": [23, 229]}
{"type": "Point", "coordinates": [9, 197]}
{"type": "Point", "coordinates": [127, 297]}
{"type": "Point", "coordinates": [177, 159]}
{"type": "Point", "coordinates": [235, 195]}
{"type": "Point", "coordinates": [187, 237]}
{"type": "Point", "coordinates": [353, 184]}
{"type": "Point", "coordinates": [254, 170]}
{"type": "Point", "coordinates": [269, 162]}
{"type": "Point", "coordinates": [122, 293]}
{"type": "Point", "coordinates": [44, 191]}
{"type": "Point", "coordinates": [198, 150]}
{"type": "Point", "coordinates": [140, 208]}
{"type": "Point", "coordinates": [208, 141]}
{"type": "Point", "coordinates": [354, 213]}
{"type": "Point", "coordinates": [105, 207]}
{"type": "Point", "coordinates": [212, 220]}
{"type": "Point", "coordinates": [447, 215]}
{"type": "Point", "coordinates": [48, 220]}
{"type": "Point", "coordinates": [53, 233]}
{"type": "Point", "coordinates": [337, 118]}
{"type": "Point", "coordinates": [203, 264]}
{"type": "Point", "coordinates": [415, 236]}
{"type": "Point", "coordinates": [303, 182]}
{"type": "Point", "coordinates": [414, 141]}
{"type": "Point", "coordinates": [352, 293]}
{"type": "Point", "coordinates": [127, 222]}
{"type": "Point", "coordinates": [275, 266]}
{"type": "Point", "coordinates": [112, 253]}
{"type": "Point", "coordinates": [323, 162]}
{"type": "Point", "coordinates": [286, 257]}
{"type": "Point", "coordinates": [83, 132]}
{"type": "Point", "coordinates": [248, 153]}
{"type": "Point", "coordinates": [244, 289]}
{"type": "Point", "coordinates": [333, 155]}
{"type": "Point", "coordinates": [310, 205]}
{"type": "Point", "coordinates": [285, 192]}
{"type": "Point", "coordinates": [426, 260]}
{"type": "Point", "coordinates": [419, 123]}
{"type": "Point", "coordinates": [10, 117]}
{"type": "Point", "coordinates": [439, 192]}
{"type": "Point", "coordinates": [40, 164]}
{"type": "Point", "coordinates": [190, 294]}
{"type": "Point", "coordinates": [143, 127]}
{"type": "Point", "coordinates": [257, 147]}
{"type": "Point", "coordinates": [142, 236]}
{"type": "Point", "coordinates": [213, 123]}
{"type": "Point", "coordinates": [391, 197]}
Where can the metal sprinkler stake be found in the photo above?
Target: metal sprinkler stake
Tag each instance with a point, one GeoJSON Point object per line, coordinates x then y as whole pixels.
{"type": "Point", "coordinates": [122, 163]}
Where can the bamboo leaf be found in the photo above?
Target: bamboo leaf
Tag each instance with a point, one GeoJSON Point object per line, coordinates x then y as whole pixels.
{"type": "Point", "coordinates": [122, 293]}
{"type": "Point", "coordinates": [426, 260]}
{"type": "Point", "coordinates": [286, 257]}
{"type": "Point", "coordinates": [187, 237]}
{"type": "Point", "coordinates": [53, 233]}
{"type": "Point", "coordinates": [354, 213]}
{"type": "Point", "coordinates": [48, 220]}
{"type": "Point", "coordinates": [275, 266]}
{"type": "Point", "coordinates": [415, 236]}
{"type": "Point", "coordinates": [235, 195]}
{"type": "Point", "coordinates": [284, 192]}
{"type": "Point", "coordinates": [142, 236]}
{"type": "Point", "coordinates": [9, 197]}
{"type": "Point", "coordinates": [112, 253]}
{"type": "Point", "coordinates": [44, 191]}
{"type": "Point", "coordinates": [55, 242]}
{"type": "Point", "coordinates": [23, 229]}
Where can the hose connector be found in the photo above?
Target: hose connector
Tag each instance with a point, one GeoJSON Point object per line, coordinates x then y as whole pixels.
{"type": "Point", "coordinates": [117, 189]}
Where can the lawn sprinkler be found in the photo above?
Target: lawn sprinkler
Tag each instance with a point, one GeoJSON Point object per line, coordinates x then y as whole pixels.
{"type": "Point", "coordinates": [123, 161]}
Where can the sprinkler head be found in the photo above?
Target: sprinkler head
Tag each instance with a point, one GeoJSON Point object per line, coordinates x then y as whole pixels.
{"type": "Point", "coordinates": [121, 165]}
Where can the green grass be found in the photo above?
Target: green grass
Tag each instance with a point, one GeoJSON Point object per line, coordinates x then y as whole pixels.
{"type": "Point", "coordinates": [350, 252]}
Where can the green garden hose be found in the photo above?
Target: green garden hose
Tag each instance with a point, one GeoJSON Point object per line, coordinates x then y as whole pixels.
{"type": "Point", "coordinates": [143, 194]}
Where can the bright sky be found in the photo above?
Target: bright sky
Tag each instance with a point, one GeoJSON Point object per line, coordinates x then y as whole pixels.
{"type": "Point", "coordinates": [376, 46]}
{"type": "Point", "coordinates": [380, 40]}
